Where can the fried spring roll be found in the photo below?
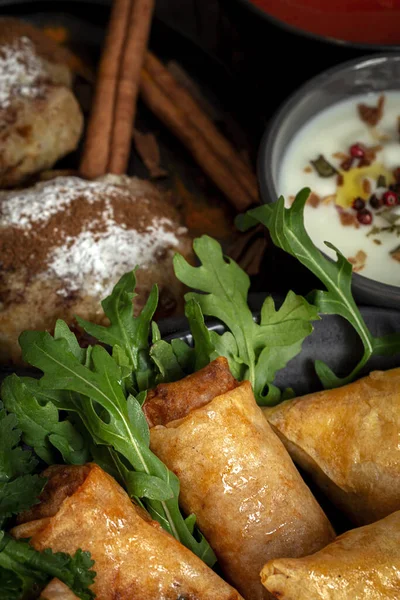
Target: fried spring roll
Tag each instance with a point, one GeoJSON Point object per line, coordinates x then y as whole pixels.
{"type": "Point", "coordinates": [362, 564]}
{"type": "Point", "coordinates": [135, 559]}
{"type": "Point", "coordinates": [170, 401]}
{"type": "Point", "coordinates": [238, 479]}
{"type": "Point", "coordinates": [348, 441]}
{"type": "Point", "coordinates": [57, 590]}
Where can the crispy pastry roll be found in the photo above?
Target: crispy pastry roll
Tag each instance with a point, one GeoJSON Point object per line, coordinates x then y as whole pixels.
{"type": "Point", "coordinates": [57, 590]}
{"type": "Point", "coordinates": [362, 564]}
{"type": "Point", "coordinates": [135, 559]}
{"type": "Point", "coordinates": [236, 476]}
{"type": "Point", "coordinates": [348, 440]}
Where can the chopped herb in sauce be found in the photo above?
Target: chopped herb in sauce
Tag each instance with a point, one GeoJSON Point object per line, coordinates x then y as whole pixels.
{"type": "Point", "coordinates": [389, 216]}
{"type": "Point", "coordinates": [389, 229]}
{"type": "Point", "coordinates": [381, 181]}
{"type": "Point", "coordinates": [323, 167]}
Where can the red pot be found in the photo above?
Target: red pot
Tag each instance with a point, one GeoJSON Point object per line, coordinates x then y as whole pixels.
{"type": "Point", "coordinates": [367, 22]}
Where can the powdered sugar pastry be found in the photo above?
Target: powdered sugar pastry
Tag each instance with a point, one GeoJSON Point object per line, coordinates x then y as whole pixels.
{"type": "Point", "coordinates": [86, 262]}
{"type": "Point", "coordinates": [21, 71]}
{"type": "Point", "coordinates": [40, 202]}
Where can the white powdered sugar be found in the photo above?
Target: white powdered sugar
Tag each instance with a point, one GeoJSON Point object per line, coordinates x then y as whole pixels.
{"type": "Point", "coordinates": [37, 204]}
{"type": "Point", "coordinates": [87, 261]}
{"type": "Point", "coordinates": [88, 233]}
{"type": "Point", "coordinates": [21, 71]}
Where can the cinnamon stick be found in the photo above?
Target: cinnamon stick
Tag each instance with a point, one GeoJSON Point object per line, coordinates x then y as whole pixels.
{"type": "Point", "coordinates": [248, 249]}
{"type": "Point", "coordinates": [98, 135]}
{"type": "Point", "coordinates": [206, 128]}
{"type": "Point", "coordinates": [128, 84]}
{"type": "Point", "coordinates": [108, 137]}
{"type": "Point", "coordinates": [223, 165]}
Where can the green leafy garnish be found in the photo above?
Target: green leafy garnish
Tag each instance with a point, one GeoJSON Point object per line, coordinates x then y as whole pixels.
{"type": "Point", "coordinates": [114, 418]}
{"type": "Point", "coordinates": [286, 226]}
{"type": "Point", "coordinates": [255, 351]}
{"type": "Point", "coordinates": [323, 167]}
{"type": "Point", "coordinates": [381, 181]}
{"type": "Point", "coordinates": [19, 488]}
{"type": "Point", "coordinates": [23, 569]}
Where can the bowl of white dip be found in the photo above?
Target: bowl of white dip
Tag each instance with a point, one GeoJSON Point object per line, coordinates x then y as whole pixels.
{"type": "Point", "coordinates": [339, 135]}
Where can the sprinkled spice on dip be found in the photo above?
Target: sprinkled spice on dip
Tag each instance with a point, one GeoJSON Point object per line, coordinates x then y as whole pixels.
{"type": "Point", "coordinates": [349, 156]}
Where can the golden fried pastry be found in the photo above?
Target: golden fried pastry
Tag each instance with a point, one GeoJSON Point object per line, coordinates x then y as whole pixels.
{"type": "Point", "coordinates": [135, 559]}
{"type": "Point", "coordinates": [40, 119]}
{"type": "Point", "coordinates": [362, 564]}
{"type": "Point", "coordinates": [64, 244]}
{"type": "Point", "coordinates": [57, 590]}
{"type": "Point", "coordinates": [235, 475]}
{"type": "Point", "coordinates": [347, 439]}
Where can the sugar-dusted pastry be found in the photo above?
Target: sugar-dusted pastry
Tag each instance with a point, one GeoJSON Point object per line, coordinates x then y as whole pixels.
{"type": "Point", "coordinates": [135, 559]}
{"type": "Point", "coordinates": [362, 564]}
{"type": "Point", "coordinates": [235, 474]}
{"type": "Point", "coordinates": [40, 119]}
{"type": "Point", "coordinates": [347, 439]}
{"type": "Point", "coordinates": [64, 244]}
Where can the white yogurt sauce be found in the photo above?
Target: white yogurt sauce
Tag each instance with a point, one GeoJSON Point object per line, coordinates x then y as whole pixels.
{"type": "Point", "coordinates": [331, 131]}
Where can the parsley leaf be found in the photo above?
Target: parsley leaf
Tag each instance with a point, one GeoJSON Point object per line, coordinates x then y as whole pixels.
{"type": "Point", "coordinates": [19, 489]}
{"type": "Point", "coordinates": [19, 494]}
{"type": "Point", "coordinates": [255, 351]}
{"type": "Point", "coordinates": [22, 569]}
{"type": "Point", "coordinates": [286, 226]}
{"type": "Point", "coordinates": [11, 585]}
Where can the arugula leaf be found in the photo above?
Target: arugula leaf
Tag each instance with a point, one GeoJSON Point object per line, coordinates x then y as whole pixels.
{"type": "Point", "coordinates": [175, 359]}
{"type": "Point", "coordinates": [141, 485]}
{"type": "Point", "coordinates": [164, 357]}
{"type": "Point", "coordinates": [39, 421]}
{"type": "Point", "coordinates": [130, 334]}
{"type": "Point", "coordinates": [202, 337]}
{"type": "Point", "coordinates": [97, 394]}
{"type": "Point", "coordinates": [254, 351]}
{"type": "Point", "coordinates": [22, 568]}
{"type": "Point", "coordinates": [286, 226]}
{"type": "Point", "coordinates": [62, 330]}
{"type": "Point", "coordinates": [19, 489]}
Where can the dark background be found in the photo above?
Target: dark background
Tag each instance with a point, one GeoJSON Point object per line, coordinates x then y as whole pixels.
{"type": "Point", "coordinates": [269, 60]}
